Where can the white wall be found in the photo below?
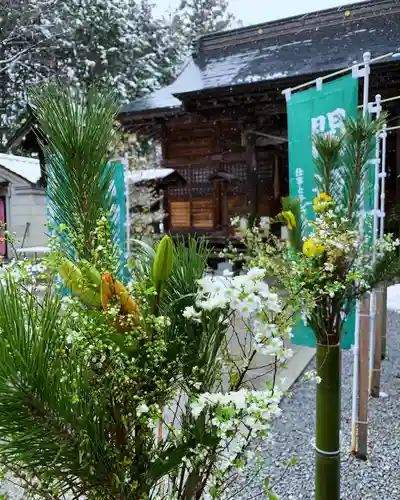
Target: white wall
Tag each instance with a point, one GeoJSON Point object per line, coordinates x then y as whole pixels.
{"type": "Point", "coordinates": [24, 203]}
{"type": "Point", "coordinates": [28, 205]}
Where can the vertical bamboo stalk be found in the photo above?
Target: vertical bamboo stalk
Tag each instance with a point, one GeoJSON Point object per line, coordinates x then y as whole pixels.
{"type": "Point", "coordinates": [384, 323]}
{"type": "Point", "coordinates": [376, 370]}
{"type": "Point", "coordinates": [327, 442]}
{"type": "Point", "coordinates": [362, 423]}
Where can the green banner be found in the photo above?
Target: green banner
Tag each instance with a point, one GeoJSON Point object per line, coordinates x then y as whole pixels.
{"type": "Point", "coordinates": [313, 112]}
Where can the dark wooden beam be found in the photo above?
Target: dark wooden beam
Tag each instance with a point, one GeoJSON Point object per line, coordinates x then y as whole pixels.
{"type": "Point", "coordinates": [252, 181]}
{"type": "Point", "coordinates": [164, 140]}
{"type": "Point", "coordinates": [224, 208]}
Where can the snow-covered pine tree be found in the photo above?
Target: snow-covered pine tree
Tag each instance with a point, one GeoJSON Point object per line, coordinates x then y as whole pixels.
{"type": "Point", "coordinates": [115, 43]}
{"type": "Point", "coordinates": [118, 44]}
{"type": "Point", "coordinates": [199, 17]}
{"type": "Point", "coordinates": [26, 28]}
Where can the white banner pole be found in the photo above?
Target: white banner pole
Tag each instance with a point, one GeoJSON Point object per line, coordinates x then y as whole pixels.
{"type": "Point", "coordinates": [338, 73]}
{"type": "Point", "coordinates": [356, 347]}
{"type": "Point", "coordinates": [372, 310]}
{"type": "Point", "coordinates": [382, 175]}
{"type": "Point", "coordinates": [125, 163]}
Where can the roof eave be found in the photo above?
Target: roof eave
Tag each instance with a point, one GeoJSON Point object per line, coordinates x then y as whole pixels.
{"type": "Point", "coordinates": [16, 139]}
{"type": "Point", "coordinates": [262, 85]}
{"type": "Point", "coordinates": [148, 113]}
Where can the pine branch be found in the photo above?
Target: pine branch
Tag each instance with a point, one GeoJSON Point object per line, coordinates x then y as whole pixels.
{"type": "Point", "coordinates": [42, 426]}
{"type": "Point", "coordinates": [77, 134]}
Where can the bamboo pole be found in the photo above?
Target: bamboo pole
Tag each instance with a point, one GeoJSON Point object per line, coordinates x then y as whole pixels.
{"type": "Point", "coordinates": [327, 441]}
{"type": "Point", "coordinates": [376, 370]}
{"type": "Point", "coordinates": [363, 367]}
{"type": "Point", "coordinates": [356, 382]}
{"type": "Point", "coordinates": [384, 323]}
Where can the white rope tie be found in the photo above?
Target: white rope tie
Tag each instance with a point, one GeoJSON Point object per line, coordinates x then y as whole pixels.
{"type": "Point", "coordinates": [328, 453]}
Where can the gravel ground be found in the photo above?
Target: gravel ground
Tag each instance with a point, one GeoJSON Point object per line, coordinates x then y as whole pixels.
{"type": "Point", "coordinates": [377, 478]}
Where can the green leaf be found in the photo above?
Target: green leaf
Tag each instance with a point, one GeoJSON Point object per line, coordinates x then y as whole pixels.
{"type": "Point", "coordinates": [213, 492]}
{"type": "Point", "coordinates": [162, 265]}
{"type": "Point", "coordinates": [169, 460]}
{"type": "Point", "coordinates": [90, 273]}
{"type": "Point", "coordinates": [266, 484]}
{"type": "Point", "coordinates": [119, 339]}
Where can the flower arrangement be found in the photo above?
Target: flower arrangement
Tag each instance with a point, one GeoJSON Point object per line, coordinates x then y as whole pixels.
{"type": "Point", "coordinates": [125, 382]}
{"type": "Point", "coordinates": [325, 266]}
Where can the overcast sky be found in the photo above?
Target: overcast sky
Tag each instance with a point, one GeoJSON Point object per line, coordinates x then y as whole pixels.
{"type": "Point", "coordinates": [258, 11]}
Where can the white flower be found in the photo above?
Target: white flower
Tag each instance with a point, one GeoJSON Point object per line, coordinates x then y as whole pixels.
{"type": "Point", "coordinates": [273, 303]}
{"type": "Point", "coordinates": [212, 285]}
{"type": "Point", "coordinates": [256, 273]}
{"type": "Point", "coordinates": [143, 408]}
{"type": "Point", "coordinates": [312, 376]}
{"type": "Point", "coordinates": [263, 330]}
{"type": "Point", "coordinates": [190, 312]}
{"type": "Point", "coordinates": [218, 302]}
{"type": "Point", "coordinates": [262, 289]}
{"type": "Point", "coordinates": [285, 355]}
{"type": "Point", "coordinates": [248, 305]}
{"type": "Point", "coordinates": [197, 407]}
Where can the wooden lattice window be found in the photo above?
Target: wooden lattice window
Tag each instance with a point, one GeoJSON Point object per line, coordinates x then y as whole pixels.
{"type": "Point", "coordinates": [240, 171]}
{"type": "Point", "coordinates": [265, 170]}
{"type": "Point", "coordinates": [181, 190]}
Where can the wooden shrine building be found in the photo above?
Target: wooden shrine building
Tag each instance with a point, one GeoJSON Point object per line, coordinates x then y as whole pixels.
{"type": "Point", "coordinates": [222, 122]}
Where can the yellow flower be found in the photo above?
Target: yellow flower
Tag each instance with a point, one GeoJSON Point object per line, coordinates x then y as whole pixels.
{"type": "Point", "coordinates": [290, 219]}
{"type": "Point", "coordinates": [322, 202]}
{"type": "Point", "coordinates": [313, 248]}
{"type": "Point", "coordinates": [325, 197]}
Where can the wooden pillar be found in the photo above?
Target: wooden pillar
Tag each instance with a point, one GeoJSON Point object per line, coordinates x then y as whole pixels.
{"type": "Point", "coordinates": [376, 370]}
{"type": "Point", "coordinates": [363, 370]}
{"type": "Point", "coordinates": [225, 207]}
{"type": "Point", "coordinates": [164, 140]}
{"type": "Point", "coordinates": [42, 161]}
{"type": "Point", "coordinates": [165, 204]}
{"type": "Point", "coordinates": [252, 180]}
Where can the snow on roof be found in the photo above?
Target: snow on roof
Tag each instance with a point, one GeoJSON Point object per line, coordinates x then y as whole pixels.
{"type": "Point", "coordinates": [275, 51]}
{"type": "Point", "coordinates": [189, 78]}
{"type": "Point", "coordinates": [150, 174]}
{"type": "Point", "coordinates": [28, 168]}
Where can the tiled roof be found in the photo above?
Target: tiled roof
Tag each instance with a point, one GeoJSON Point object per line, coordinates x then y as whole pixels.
{"type": "Point", "coordinates": [303, 45]}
